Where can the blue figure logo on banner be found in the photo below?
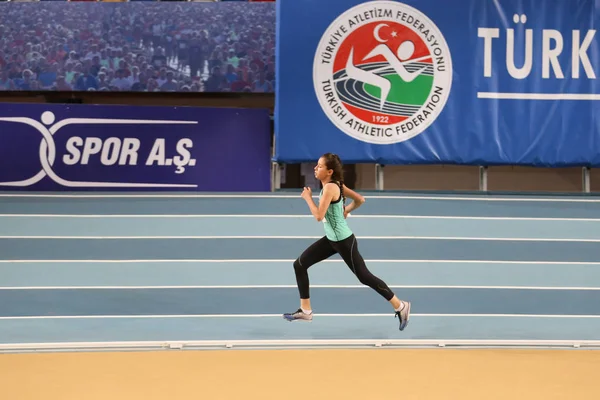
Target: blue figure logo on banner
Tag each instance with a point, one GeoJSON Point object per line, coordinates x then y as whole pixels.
{"type": "Point", "coordinates": [112, 151]}
{"type": "Point", "coordinates": [132, 148]}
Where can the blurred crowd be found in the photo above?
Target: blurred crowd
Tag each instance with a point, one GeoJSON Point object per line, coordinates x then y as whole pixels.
{"type": "Point", "coordinates": [142, 46]}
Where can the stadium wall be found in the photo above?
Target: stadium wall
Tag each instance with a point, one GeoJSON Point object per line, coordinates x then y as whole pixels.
{"type": "Point", "coordinates": [569, 174]}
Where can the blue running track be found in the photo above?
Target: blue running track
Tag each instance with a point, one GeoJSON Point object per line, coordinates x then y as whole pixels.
{"type": "Point", "coordinates": [105, 271]}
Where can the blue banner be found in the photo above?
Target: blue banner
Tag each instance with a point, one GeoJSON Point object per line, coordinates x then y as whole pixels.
{"type": "Point", "coordinates": [47, 147]}
{"type": "Point", "coordinates": [475, 82]}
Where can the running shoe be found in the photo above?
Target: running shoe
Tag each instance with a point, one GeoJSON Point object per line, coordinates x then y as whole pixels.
{"type": "Point", "coordinates": [403, 315]}
{"type": "Point", "coordinates": [298, 315]}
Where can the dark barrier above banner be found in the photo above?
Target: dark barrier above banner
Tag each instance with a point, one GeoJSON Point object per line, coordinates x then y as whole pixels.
{"type": "Point", "coordinates": [47, 147]}
{"type": "Point", "coordinates": [478, 82]}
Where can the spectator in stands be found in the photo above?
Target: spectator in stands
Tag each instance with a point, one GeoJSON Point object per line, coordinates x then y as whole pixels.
{"type": "Point", "coordinates": [48, 74]}
{"type": "Point", "coordinates": [102, 81]}
{"type": "Point", "coordinates": [261, 84]}
{"type": "Point", "coordinates": [170, 85]}
{"type": "Point", "coordinates": [230, 75]}
{"type": "Point", "coordinates": [121, 81]}
{"type": "Point", "coordinates": [216, 82]}
{"type": "Point", "coordinates": [241, 83]}
{"type": "Point", "coordinates": [86, 81]}
{"type": "Point", "coordinates": [5, 82]}
{"type": "Point", "coordinates": [61, 84]}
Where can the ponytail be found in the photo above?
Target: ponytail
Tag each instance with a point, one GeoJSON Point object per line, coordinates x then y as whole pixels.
{"type": "Point", "coordinates": [333, 162]}
{"type": "Point", "coordinates": [341, 185]}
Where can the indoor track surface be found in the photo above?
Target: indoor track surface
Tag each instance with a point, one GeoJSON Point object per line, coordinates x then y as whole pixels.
{"type": "Point", "coordinates": [202, 271]}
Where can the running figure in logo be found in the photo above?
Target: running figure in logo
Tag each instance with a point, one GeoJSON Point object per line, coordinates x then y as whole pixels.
{"type": "Point", "coordinates": [338, 239]}
{"type": "Point", "coordinates": [405, 52]}
{"type": "Point", "coordinates": [389, 75]}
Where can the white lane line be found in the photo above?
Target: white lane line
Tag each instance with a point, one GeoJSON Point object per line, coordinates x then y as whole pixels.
{"type": "Point", "coordinates": [144, 287]}
{"type": "Point", "coordinates": [291, 216]}
{"type": "Point", "coordinates": [297, 237]}
{"type": "Point", "coordinates": [267, 261]}
{"type": "Point", "coordinates": [378, 315]}
{"type": "Point", "coordinates": [548, 199]}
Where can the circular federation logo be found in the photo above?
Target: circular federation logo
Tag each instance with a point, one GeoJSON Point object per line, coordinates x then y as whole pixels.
{"type": "Point", "coordinates": [382, 72]}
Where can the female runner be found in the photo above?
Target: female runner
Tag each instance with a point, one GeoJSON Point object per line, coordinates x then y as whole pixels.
{"type": "Point", "coordinates": [338, 239]}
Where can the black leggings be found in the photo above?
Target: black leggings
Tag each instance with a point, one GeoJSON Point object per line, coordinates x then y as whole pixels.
{"type": "Point", "coordinates": [348, 250]}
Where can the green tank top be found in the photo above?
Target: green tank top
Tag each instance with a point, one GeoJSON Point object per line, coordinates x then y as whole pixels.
{"type": "Point", "coordinates": [336, 228]}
